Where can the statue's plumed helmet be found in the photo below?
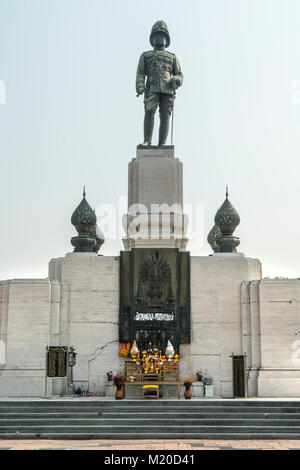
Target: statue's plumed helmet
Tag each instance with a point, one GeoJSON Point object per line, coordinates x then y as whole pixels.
{"type": "Point", "coordinates": [160, 27]}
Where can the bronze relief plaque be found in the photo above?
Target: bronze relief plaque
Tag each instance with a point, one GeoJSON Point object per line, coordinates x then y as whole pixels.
{"type": "Point", "coordinates": [155, 297]}
{"type": "Point", "coordinates": [57, 361]}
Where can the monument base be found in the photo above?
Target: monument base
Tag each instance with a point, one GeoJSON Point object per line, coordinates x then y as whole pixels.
{"type": "Point", "coordinates": [155, 216]}
{"type": "Point", "coordinates": [198, 389]}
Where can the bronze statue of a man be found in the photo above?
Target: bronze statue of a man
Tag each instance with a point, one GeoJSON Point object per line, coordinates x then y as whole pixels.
{"type": "Point", "coordinates": [164, 76]}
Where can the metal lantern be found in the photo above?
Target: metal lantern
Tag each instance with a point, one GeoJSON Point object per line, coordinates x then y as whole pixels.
{"type": "Point", "coordinates": [71, 362]}
{"type": "Point", "coordinates": [72, 356]}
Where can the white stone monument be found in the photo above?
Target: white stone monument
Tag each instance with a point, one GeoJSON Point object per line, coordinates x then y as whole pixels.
{"type": "Point", "coordinates": [233, 311]}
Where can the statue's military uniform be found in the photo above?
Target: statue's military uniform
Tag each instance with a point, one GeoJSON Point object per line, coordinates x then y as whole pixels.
{"type": "Point", "coordinates": [159, 67]}
{"type": "Point", "coordinates": [164, 76]}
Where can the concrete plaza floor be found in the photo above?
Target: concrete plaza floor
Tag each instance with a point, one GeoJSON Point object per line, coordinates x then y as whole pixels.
{"type": "Point", "coordinates": [151, 445]}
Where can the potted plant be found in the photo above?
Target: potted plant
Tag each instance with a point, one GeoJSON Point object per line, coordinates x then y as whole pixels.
{"type": "Point", "coordinates": [188, 394]}
{"type": "Point", "coordinates": [199, 375]}
{"type": "Point", "coordinates": [109, 376]}
{"type": "Point", "coordinates": [118, 382]}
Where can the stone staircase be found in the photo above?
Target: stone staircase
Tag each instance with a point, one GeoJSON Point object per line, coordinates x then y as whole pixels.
{"type": "Point", "coordinates": [151, 419]}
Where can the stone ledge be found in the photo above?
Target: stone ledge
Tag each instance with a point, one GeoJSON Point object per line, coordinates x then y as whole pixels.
{"type": "Point", "coordinates": [155, 151]}
{"type": "Point", "coordinates": [27, 281]}
{"type": "Point", "coordinates": [153, 147]}
{"type": "Point", "coordinates": [81, 255]}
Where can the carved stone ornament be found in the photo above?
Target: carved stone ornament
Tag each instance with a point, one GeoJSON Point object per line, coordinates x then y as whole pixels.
{"type": "Point", "coordinates": [227, 219]}
{"type": "Point", "coordinates": [98, 236]}
{"type": "Point", "coordinates": [212, 236]}
{"type": "Point", "coordinates": [84, 219]}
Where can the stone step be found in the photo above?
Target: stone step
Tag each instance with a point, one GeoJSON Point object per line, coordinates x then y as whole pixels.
{"type": "Point", "coordinates": [153, 409]}
{"type": "Point", "coordinates": [162, 435]}
{"type": "Point", "coordinates": [172, 421]}
{"type": "Point", "coordinates": [167, 415]}
{"type": "Point", "coordinates": [145, 429]}
{"type": "Point", "coordinates": [203, 415]}
{"type": "Point", "coordinates": [54, 419]}
{"type": "Point", "coordinates": [149, 403]}
{"type": "Point", "coordinates": [143, 403]}
{"type": "Point", "coordinates": [234, 409]}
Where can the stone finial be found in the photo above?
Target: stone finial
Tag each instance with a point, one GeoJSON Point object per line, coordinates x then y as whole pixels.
{"type": "Point", "coordinates": [84, 219]}
{"type": "Point", "coordinates": [98, 236]}
{"type": "Point", "coordinates": [212, 236]}
{"type": "Point", "coordinates": [227, 219]}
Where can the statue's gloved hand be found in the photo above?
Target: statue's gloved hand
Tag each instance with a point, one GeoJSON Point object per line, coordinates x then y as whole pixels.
{"type": "Point", "coordinates": [141, 90]}
{"type": "Point", "coordinates": [172, 83]}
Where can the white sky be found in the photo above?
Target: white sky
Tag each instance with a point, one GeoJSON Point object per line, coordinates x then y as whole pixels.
{"type": "Point", "coordinates": [72, 118]}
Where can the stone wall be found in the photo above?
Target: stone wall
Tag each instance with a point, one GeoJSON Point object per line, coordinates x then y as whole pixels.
{"type": "Point", "coordinates": [233, 311]}
{"type": "Point", "coordinates": [93, 304]}
{"type": "Point", "coordinates": [216, 316]}
{"type": "Point", "coordinates": [28, 309]}
{"type": "Point", "coordinates": [272, 325]}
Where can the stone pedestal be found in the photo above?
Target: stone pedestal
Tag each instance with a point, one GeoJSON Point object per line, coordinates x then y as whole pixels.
{"type": "Point", "coordinates": [198, 389]}
{"type": "Point", "coordinates": [209, 390]}
{"type": "Point", "coordinates": [109, 389]}
{"type": "Point", "coordinates": [57, 386]}
{"type": "Point", "coordinates": [155, 205]}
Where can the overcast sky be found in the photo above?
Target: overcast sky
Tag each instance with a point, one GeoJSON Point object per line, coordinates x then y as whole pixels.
{"type": "Point", "coordinates": [72, 118]}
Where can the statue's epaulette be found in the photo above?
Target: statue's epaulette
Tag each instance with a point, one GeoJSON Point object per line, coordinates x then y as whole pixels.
{"type": "Point", "coordinates": [150, 53]}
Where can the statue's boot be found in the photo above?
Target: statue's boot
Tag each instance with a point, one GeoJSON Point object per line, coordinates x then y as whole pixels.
{"type": "Point", "coordinates": [163, 129]}
{"type": "Point", "coordinates": [148, 128]}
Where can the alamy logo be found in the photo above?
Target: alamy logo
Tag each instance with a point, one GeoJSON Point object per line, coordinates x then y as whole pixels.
{"type": "Point", "coordinates": [161, 220]}
{"type": "Point", "coordinates": [2, 92]}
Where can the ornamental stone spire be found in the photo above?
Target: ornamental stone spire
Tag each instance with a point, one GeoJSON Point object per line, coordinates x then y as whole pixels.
{"type": "Point", "coordinates": [98, 236]}
{"type": "Point", "coordinates": [227, 219]}
{"type": "Point", "coordinates": [212, 236]}
{"type": "Point", "coordinates": [84, 219]}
